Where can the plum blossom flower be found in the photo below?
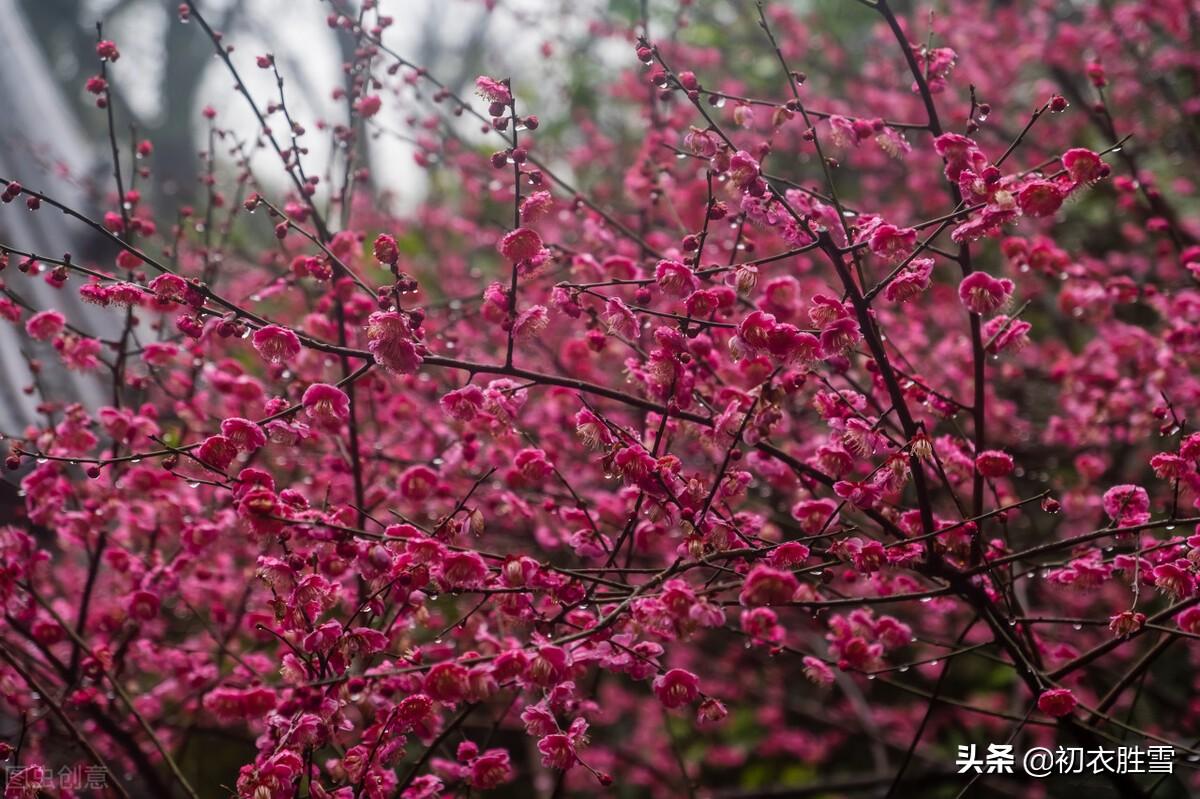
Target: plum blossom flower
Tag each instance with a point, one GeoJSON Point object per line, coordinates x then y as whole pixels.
{"type": "Point", "coordinates": [417, 482]}
{"type": "Point", "coordinates": [765, 585]}
{"type": "Point", "coordinates": [619, 319]}
{"type": "Point", "coordinates": [861, 494]}
{"type": "Point", "coordinates": [1127, 505]}
{"type": "Point", "coordinates": [492, 90]}
{"type": "Point", "coordinates": [983, 294]}
{"type": "Point", "coordinates": [892, 243]}
{"type": "Point", "coordinates": [491, 769]}
{"type": "Point", "coordinates": [710, 712]}
{"type": "Point", "coordinates": [385, 250]}
{"type": "Point", "coordinates": [1126, 622]}
{"type": "Point", "coordinates": [45, 325]}
{"type": "Point", "coordinates": [1084, 166]}
{"type": "Point", "coordinates": [911, 282]}
{"type": "Point", "coordinates": [1040, 198]}
{"type": "Point", "coordinates": [369, 105]}
{"type": "Point", "coordinates": [557, 750]}
{"type": "Point", "coordinates": [531, 322]}
{"type": "Point", "coordinates": [1057, 702]}
{"type": "Point", "coordinates": [217, 451]}
{"type": "Point", "coordinates": [676, 688]}
{"type": "Point", "coordinates": [390, 340]}
{"type": "Point", "coordinates": [326, 404]}
{"type": "Point", "coordinates": [838, 337]}
{"type": "Point", "coordinates": [522, 244]}
{"type": "Point", "coordinates": [1175, 579]}
{"type": "Point", "coordinates": [992, 463]}
{"type": "Point", "coordinates": [817, 671]}
{"type": "Point", "coordinates": [464, 403]}
{"type": "Point", "coordinates": [276, 344]}
{"type": "Point", "coordinates": [676, 279]}
{"type": "Point", "coordinates": [107, 50]}
{"type": "Point", "coordinates": [461, 570]}
{"type": "Point", "coordinates": [1001, 333]}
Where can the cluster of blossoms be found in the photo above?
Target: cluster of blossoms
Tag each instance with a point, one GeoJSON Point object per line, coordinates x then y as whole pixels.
{"type": "Point", "coordinates": [810, 429]}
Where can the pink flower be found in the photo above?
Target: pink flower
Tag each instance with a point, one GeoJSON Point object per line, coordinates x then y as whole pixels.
{"type": "Point", "coordinates": [993, 463]}
{"type": "Point", "coordinates": [549, 667]}
{"type": "Point", "coordinates": [327, 405]}
{"type": "Point", "coordinates": [984, 294]}
{"type": "Point", "coordinates": [1167, 466]}
{"type": "Point", "coordinates": [391, 341]}
{"type": "Point", "coordinates": [557, 751]}
{"type": "Point", "coordinates": [217, 451]}
{"type": "Point", "coordinates": [369, 105]}
{"type": "Point", "coordinates": [788, 555]}
{"type": "Point", "coordinates": [675, 279]}
{"type": "Point", "coordinates": [711, 711]}
{"type": "Point", "coordinates": [766, 586]}
{"type": "Point", "coordinates": [107, 50]}
{"type": "Point", "coordinates": [1084, 166]}
{"type": "Point", "coordinates": [839, 336]}
{"type": "Point", "coordinates": [463, 403]}
{"type": "Point", "coordinates": [1126, 622]}
{"type": "Point", "coordinates": [912, 281]}
{"type": "Point", "coordinates": [755, 329]}
{"type": "Point", "coordinates": [1189, 620]}
{"type": "Point", "coordinates": [45, 325]}
{"type": "Point", "coordinates": [462, 570]}
{"type": "Point", "coordinates": [1057, 702]}
{"type": "Point", "coordinates": [239, 703]}
{"type": "Point", "coordinates": [447, 682]}
{"type": "Point", "coordinates": [492, 90]}
{"type": "Point", "coordinates": [619, 319]}
{"type": "Point", "coordinates": [385, 250]}
{"type": "Point", "coordinates": [1189, 448]}
{"type": "Point", "coordinates": [791, 345]}
{"type": "Point", "coordinates": [1002, 333]}
{"type": "Point", "coordinates": [814, 514]}
{"type": "Point", "coordinates": [1127, 505]}
{"type": "Point", "coordinates": [536, 205]}
{"type": "Point", "coordinates": [417, 482]}
{"type": "Point", "coordinates": [522, 244]}
{"type": "Point", "coordinates": [676, 688]}
{"type": "Point", "coordinates": [143, 605]}
{"type": "Point", "coordinates": [743, 170]}
{"type": "Point", "coordinates": [491, 769]}
{"type": "Point", "coordinates": [1175, 579]}
{"type": "Point", "coordinates": [817, 671]}
{"type": "Point", "coordinates": [538, 720]}
{"type": "Point", "coordinates": [243, 433]}
{"type": "Point", "coordinates": [531, 322]}
{"type": "Point", "coordinates": [1040, 198]}
{"type": "Point", "coordinates": [276, 344]}
{"type": "Point", "coordinates": [860, 494]}
{"type": "Point", "coordinates": [892, 243]}
{"type": "Point", "coordinates": [592, 430]}
{"type": "Point", "coordinates": [78, 352]}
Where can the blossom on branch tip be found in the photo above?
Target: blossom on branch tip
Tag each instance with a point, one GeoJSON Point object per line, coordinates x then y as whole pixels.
{"type": "Point", "coordinates": [983, 294]}
{"type": "Point", "coordinates": [676, 688]}
{"type": "Point", "coordinates": [276, 344]}
{"type": "Point", "coordinates": [327, 405]}
{"type": "Point", "coordinates": [1057, 702]}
